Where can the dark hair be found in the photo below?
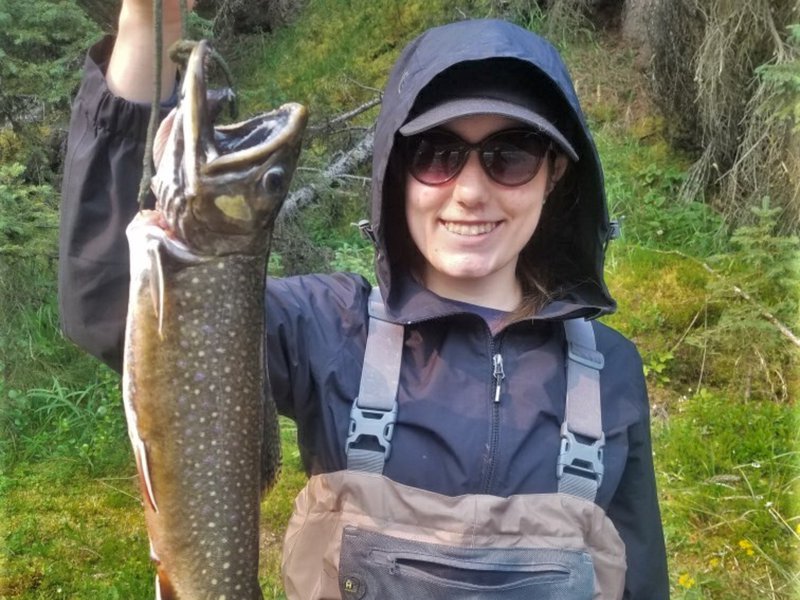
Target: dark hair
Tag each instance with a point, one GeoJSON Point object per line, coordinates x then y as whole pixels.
{"type": "Point", "coordinates": [544, 267]}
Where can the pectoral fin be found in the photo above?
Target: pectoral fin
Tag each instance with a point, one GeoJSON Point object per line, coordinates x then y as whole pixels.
{"type": "Point", "coordinates": [140, 452]}
{"type": "Point", "coordinates": [156, 282]}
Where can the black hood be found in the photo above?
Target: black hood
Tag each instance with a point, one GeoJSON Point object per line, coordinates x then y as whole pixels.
{"type": "Point", "coordinates": [583, 214]}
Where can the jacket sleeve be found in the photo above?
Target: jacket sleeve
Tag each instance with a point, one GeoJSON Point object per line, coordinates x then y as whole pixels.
{"type": "Point", "coordinates": [316, 335]}
{"type": "Point", "coordinates": [635, 512]}
{"type": "Point", "coordinates": [101, 179]}
{"type": "Point", "coordinates": [102, 171]}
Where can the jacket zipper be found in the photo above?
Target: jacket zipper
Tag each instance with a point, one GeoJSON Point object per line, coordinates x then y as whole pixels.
{"type": "Point", "coordinates": [498, 375]}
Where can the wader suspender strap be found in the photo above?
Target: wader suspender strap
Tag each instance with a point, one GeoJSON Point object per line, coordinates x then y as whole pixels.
{"type": "Point", "coordinates": [374, 412]}
{"type": "Point", "coordinates": [580, 461]}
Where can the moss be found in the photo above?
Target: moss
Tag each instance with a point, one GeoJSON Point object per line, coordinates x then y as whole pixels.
{"type": "Point", "coordinates": [80, 537]}
{"type": "Point", "coordinates": [333, 57]}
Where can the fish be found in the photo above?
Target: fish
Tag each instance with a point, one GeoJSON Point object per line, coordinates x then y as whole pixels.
{"type": "Point", "coordinates": [203, 428]}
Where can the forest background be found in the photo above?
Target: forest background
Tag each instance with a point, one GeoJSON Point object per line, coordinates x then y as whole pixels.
{"type": "Point", "coordinates": [695, 107]}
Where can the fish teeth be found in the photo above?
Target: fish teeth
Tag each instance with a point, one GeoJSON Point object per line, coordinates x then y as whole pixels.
{"type": "Point", "coordinates": [469, 228]}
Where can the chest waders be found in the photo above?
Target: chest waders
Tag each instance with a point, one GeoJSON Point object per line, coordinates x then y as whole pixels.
{"type": "Point", "coordinates": [357, 535]}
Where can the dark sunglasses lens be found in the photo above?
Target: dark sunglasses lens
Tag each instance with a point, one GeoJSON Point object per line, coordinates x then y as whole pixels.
{"type": "Point", "coordinates": [435, 157]}
{"type": "Point", "coordinates": [513, 157]}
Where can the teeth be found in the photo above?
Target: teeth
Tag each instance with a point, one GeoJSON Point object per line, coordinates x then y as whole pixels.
{"type": "Point", "coordinates": [469, 229]}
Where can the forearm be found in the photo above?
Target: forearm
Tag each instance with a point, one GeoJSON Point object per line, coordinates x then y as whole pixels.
{"type": "Point", "coordinates": [131, 69]}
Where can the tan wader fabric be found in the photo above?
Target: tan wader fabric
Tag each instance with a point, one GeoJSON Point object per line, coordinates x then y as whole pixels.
{"type": "Point", "coordinates": [333, 501]}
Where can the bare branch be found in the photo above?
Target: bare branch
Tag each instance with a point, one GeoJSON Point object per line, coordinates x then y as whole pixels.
{"type": "Point", "coordinates": [328, 124]}
{"type": "Point", "coordinates": [364, 86]}
{"type": "Point", "coordinates": [339, 168]}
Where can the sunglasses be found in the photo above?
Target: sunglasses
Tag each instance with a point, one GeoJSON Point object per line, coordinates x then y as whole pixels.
{"type": "Point", "coordinates": [511, 157]}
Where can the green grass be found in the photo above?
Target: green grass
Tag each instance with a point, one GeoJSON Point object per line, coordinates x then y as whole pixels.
{"type": "Point", "coordinates": [727, 475]}
{"type": "Point", "coordinates": [724, 420]}
{"type": "Point", "coordinates": [69, 533]}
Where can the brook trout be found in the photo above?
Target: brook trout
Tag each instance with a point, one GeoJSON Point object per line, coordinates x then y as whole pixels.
{"type": "Point", "coordinates": [203, 429]}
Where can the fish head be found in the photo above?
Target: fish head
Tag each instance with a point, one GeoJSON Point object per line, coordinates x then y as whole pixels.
{"type": "Point", "coordinates": [219, 188]}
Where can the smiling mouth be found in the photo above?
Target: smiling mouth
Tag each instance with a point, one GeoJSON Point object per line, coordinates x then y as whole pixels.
{"type": "Point", "coordinates": [469, 229]}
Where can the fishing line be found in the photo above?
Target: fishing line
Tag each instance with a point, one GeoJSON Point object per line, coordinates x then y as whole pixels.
{"type": "Point", "coordinates": [179, 53]}
{"type": "Point", "coordinates": [155, 106]}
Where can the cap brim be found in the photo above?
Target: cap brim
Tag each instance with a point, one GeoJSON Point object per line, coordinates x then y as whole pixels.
{"type": "Point", "coordinates": [462, 107]}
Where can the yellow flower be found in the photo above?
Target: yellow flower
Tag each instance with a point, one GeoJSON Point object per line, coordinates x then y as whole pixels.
{"type": "Point", "coordinates": [686, 581]}
{"type": "Point", "coordinates": [747, 546]}
{"type": "Point", "coordinates": [713, 563]}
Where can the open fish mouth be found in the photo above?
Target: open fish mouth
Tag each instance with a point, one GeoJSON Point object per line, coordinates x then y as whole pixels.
{"type": "Point", "coordinates": [219, 187]}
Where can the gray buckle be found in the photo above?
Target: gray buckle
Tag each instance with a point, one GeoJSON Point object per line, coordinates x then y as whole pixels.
{"type": "Point", "coordinates": [374, 423]}
{"type": "Point", "coordinates": [614, 230]}
{"type": "Point", "coordinates": [585, 356]}
{"type": "Point", "coordinates": [365, 227]}
{"type": "Point", "coordinates": [580, 458]}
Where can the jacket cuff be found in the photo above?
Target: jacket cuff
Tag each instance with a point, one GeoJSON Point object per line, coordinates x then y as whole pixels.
{"type": "Point", "coordinates": [105, 110]}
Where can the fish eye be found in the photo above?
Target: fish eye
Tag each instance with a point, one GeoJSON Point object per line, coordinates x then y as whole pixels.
{"type": "Point", "coordinates": [274, 180]}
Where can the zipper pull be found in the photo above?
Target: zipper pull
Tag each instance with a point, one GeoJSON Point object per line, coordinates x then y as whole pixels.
{"type": "Point", "coordinates": [499, 375]}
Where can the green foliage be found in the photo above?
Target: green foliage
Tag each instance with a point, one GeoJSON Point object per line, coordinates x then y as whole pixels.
{"type": "Point", "coordinates": [55, 518]}
{"type": "Point", "coordinates": [47, 408]}
{"type": "Point", "coordinates": [768, 159]}
{"type": "Point", "coordinates": [325, 234]}
{"type": "Point", "coordinates": [642, 187]}
{"type": "Point", "coordinates": [661, 297]}
{"type": "Point", "coordinates": [337, 56]}
{"type": "Point", "coordinates": [71, 531]}
{"type": "Point", "coordinates": [82, 424]}
{"type": "Point", "coordinates": [41, 44]}
{"type": "Point", "coordinates": [524, 13]}
{"type": "Point", "coordinates": [763, 265]}
{"type": "Point", "coordinates": [355, 258]}
{"type": "Point", "coordinates": [656, 366]}
{"type": "Point", "coordinates": [784, 79]}
{"type": "Point", "coordinates": [28, 216]}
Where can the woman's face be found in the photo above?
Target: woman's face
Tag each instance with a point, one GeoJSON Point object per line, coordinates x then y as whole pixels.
{"type": "Point", "coordinates": [470, 230]}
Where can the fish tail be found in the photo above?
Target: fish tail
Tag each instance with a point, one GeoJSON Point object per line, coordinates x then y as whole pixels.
{"type": "Point", "coordinates": [164, 589]}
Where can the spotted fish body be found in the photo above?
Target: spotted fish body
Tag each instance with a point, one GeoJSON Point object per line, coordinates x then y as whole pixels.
{"type": "Point", "coordinates": [203, 429]}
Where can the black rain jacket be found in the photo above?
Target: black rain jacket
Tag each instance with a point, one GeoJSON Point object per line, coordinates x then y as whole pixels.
{"type": "Point", "coordinates": [451, 437]}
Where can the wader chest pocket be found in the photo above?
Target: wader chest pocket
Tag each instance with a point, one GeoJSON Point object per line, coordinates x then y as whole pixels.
{"type": "Point", "coordinates": [377, 566]}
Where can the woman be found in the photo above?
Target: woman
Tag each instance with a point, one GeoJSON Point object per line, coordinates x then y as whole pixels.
{"type": "Point", "coordinates": [489, 215]}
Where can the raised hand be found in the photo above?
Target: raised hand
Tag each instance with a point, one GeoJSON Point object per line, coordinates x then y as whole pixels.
{"type": "Point", "coordinates": [131, 68]}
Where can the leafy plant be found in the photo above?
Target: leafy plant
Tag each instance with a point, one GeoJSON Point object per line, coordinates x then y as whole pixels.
{"type": "Point", "coordinates": [86, 424]}
{"type": "Point", "coordinates": [759, 276]}
{"type": "Point", "coordinates": [41, 44]}
{"type": "Point", "coordinates": [642, 188]}
{"type": "Point", "coordinates": [656, 365]}
{"type": "Point", "coordinates": [355, 258]}
{"type": "Point", "coordinates": [28, 216]}
{"type": "Point", "coordinates": [784, 78]}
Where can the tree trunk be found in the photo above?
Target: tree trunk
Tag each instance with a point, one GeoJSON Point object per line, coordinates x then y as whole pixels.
{"type": "Point", "coordinates": [102, 12]}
